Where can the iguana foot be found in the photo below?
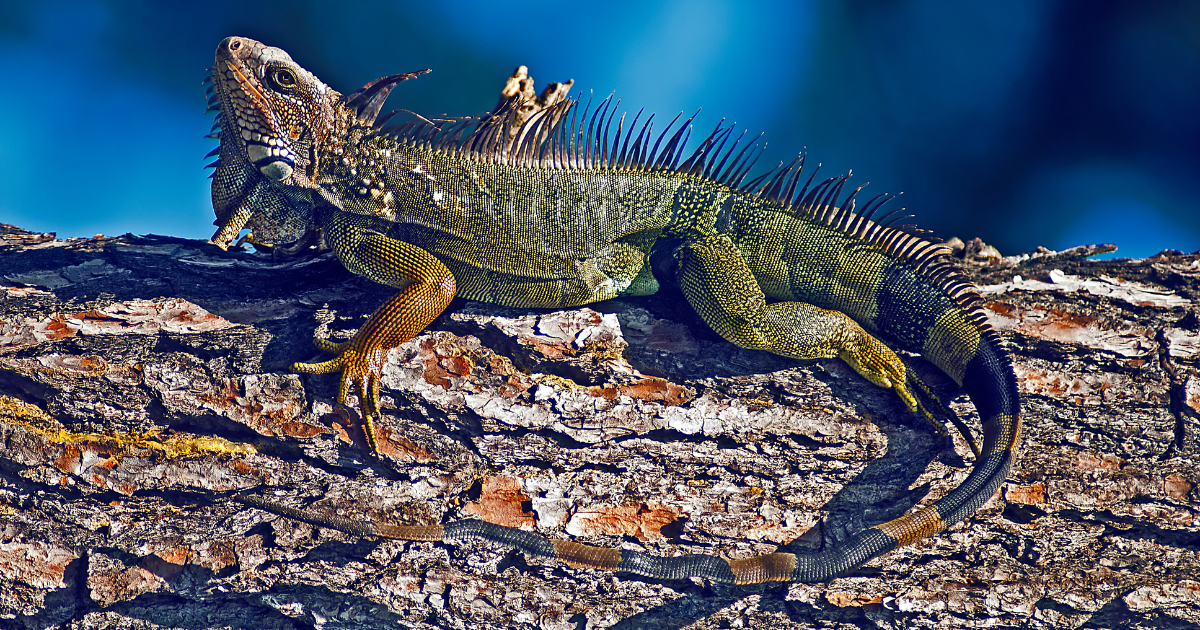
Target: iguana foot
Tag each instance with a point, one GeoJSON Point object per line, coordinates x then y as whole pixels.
{"type": "Point", "coordinates": [883, 367]}
{"type": "Point", "coordinates": [878, 364]}
{"type": "Point", "coordinates": [361, 365]}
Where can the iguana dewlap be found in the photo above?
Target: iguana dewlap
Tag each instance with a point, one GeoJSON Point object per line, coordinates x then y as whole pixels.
{"type": "Point", "coordinates": [564, 208]}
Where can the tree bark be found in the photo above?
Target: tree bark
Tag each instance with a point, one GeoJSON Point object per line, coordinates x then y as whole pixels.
{"type": "Point", "coordinates": [143, 381]}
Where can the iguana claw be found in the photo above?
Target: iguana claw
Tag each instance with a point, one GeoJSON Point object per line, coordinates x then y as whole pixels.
{"type": "Point", "coordinates": [883, 367]}
{"type": "Point", "coordinates": [361, 368]}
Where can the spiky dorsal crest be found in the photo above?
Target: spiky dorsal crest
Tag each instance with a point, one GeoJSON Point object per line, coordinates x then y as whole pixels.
{"type": "Point", "coordinates": [366, 102]}
{"type": "Point", "coordinates": [572, 134]}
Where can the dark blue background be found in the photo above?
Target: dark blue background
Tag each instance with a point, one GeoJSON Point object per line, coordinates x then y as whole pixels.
{"type": "Point", "coordinates": [1023, 122]}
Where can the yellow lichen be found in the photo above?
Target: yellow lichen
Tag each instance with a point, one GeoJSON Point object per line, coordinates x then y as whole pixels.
{"type": "Point", "coordinates": [20, 413]}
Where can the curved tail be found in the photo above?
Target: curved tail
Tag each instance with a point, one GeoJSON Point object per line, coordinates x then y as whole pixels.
{"type": "Point", "coordinates": [988, 380]}
{"type": "Point", "coordinates": [992, 386]}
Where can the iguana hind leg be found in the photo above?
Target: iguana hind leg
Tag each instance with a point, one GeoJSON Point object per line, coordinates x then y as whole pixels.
{"type": "Point", "coordinates": [720, 286]}
{"type": "Point", "coordinates": [426, 288]}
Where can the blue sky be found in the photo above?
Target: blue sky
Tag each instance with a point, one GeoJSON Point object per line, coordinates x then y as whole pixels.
{"type": "Point", "coordinates": [1023, 123]}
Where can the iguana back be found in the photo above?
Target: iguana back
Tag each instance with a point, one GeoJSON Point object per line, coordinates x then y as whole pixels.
{"type": "Point", "coordinates": [575, 236]}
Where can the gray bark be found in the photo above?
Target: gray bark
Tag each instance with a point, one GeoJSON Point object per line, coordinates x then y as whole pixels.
{"type": "Point", "coordinates": [143, 381]}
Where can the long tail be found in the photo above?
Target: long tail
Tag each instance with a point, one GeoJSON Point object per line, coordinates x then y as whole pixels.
{"type": "Point", "coordinates": [989, 382]}
{"type": "Point", "coordinates": [992, 386]}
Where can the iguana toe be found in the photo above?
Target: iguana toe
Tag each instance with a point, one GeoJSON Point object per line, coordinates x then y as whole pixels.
{"type": "Point", "coordinates": [360, 373]}
{"type": "Point", "coordinates": [325, 345]}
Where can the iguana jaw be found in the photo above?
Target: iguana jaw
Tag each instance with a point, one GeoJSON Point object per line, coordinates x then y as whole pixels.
{"type": "Point", "coordinates": [241, 72]}
{"type": "Point", "coordinates": [274, 114]}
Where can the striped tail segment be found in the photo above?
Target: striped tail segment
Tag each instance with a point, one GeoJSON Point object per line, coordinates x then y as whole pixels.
{"type": "Point", "coordinates": [997, 404]}
{"type": "Point", "coordinates": [990, 383]}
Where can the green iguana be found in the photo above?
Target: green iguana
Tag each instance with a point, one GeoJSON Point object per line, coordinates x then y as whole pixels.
{"type": "Point", "coordinates": [562, 210]}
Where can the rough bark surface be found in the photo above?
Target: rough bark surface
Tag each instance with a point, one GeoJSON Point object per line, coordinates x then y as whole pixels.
{"type": "Point", "coordinates": [143, 380]}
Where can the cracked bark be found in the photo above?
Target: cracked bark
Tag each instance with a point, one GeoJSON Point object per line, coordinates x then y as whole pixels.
{"type": "Point", "coordinates": [142, 381]}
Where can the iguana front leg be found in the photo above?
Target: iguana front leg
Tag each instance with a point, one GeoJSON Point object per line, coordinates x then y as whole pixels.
{"type": "Point", "coordinates": [426, 288]}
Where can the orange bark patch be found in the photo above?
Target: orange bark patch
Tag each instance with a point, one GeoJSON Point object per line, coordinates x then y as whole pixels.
{"type": "Point", "coordinates": [649, 389]}
{"type": "Point", "coordinates": [603, 391]}
{"type": "Point", "coordinates": [70, 460]}
{"type": "Point", "coordinates": [458, 366]}
{"type": "Point", "coordinates": [1008, 310]}
{"type": "Point", "coordinates": [1090, 461]}
{"type": "Point", "coordinates": [96, 317]}
{"type": "Point", "coordinates": [842, 599]}
{"type": "Point", "coordinates": [57, 329]}
{"type": "Point", "coordinates": [342, 427]}
{"type": "Point", "coordinates": [1177, 486]}
{"type": "Point", "coordinates": [166, 565]}
{"type": "Point", "coordinates": [643, 520]}
{"type": "Point", "coordinates": [265, 406]}
{"type": "Point", "coordinates": [1088, 389]}
{"type": "Point", "coordinates": [216, 555]}
{"type": "Point", "coordinates": [655, 389]}
{"type": "Point", "coordinates": [513, 387]}
{"type": "Point", "coordinates": [501, 502]}
{"type": "Point", "coordinates": [1192, 394]}
{"type": "Point", "coordinates": [38, 565]}
{"type": "Point", "coordinates": [176, 555]}
{"type": "Point", "coordinates": [1034, 494]}
{"type": "Point", "coordinates": [299, 429]}
{"type": "Point", "coordinates": [401, 447]}
{"type": "Point", "coordinates": [1065, 327]}
{"type": "Point", "coordinates": [441, 366]}
{"type": "Point", "coordinates": [245, 469]}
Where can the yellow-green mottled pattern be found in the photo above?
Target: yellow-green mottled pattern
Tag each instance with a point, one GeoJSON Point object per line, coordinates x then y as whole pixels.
{"type": "Point", "coordinates": [513, 235]}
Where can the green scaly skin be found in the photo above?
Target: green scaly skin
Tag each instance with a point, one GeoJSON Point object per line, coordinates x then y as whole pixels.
{"type": "Point", "coordinates": [545, 214]}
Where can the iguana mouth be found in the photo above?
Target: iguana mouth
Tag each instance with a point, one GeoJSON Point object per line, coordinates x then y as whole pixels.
{"type": "Point", "coordinates": [237, 71]}
{"type": "Point", "coordinates": [266, 106]}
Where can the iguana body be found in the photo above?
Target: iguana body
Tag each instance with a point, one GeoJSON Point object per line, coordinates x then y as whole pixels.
{"type": "Point", "coordinates": [563, 211]}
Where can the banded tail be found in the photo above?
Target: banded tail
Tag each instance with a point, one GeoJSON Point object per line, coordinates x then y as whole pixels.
{"type": "Point", "coordinates": [989, 383]}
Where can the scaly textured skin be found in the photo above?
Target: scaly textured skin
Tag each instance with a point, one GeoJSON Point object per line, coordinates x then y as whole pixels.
{"type": "Point", "coordinates": [544, 210]}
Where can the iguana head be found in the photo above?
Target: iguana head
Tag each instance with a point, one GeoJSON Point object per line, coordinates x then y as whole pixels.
{"type": "Point", "coordinates": [275, 120]}
{"type": "Point", "coordinates": [273, 117]}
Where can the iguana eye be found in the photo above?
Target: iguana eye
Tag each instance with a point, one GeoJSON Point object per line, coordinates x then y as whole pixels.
{"type": "Point", "coordinates": [284, 78]}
